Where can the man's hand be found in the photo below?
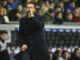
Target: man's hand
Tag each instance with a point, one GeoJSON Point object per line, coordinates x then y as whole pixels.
{"type": "Point", "coordinates": [31, 14]}
{"type": "Point", "coordinates": [18, 15]}
{"type": "Point", "coordinates": [24, 47]}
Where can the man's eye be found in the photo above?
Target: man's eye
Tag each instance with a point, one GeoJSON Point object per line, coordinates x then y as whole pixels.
{"type": "Point", "coordinates": [27, 7]}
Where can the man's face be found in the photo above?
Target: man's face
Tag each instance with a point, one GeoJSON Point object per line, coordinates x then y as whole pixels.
{"type": "Point", "coordinates": [61, 4]}
{"type": "Point", "coordinates": [77, 53]}
{"type": "Point", "coordinates": [66, 55]}
{"type": "Point", "coordinates": [19, 8]}
{"type": "Point", "coordinates": [58, 9]}
{"type": "Point", "coordinates": [11, 1]}
{"type": "Point", "coordinates": [60, 16]}
{"type": "Point", "coordinates": [30, 7]}
{"type": "Point", "coordinates": [73, 4]}
{"type": "Point", "coordinates": [76, 13]}
{"type": "Point", "coordinates": [4, 3]}
{"type": "Point", "coordinates": [70, 16]}
{"type": "Point", "coordinates": [4, 36]}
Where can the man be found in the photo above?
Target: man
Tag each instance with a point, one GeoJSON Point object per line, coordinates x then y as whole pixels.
{"type": "Point", "coordinates": [49, 16]}
{"type": "Point", "coordinates": [32, 44]}
{"type": "Point", "coordinates": [3, 16]}
{"type": "Point", "coordinates": [3, 3]}
{"type": "Point", "coordinates": [3, 49]}
{"type": "Point", "coordinates": [66, 55]}
{"type": "Point", "coordinates": [75, 55]}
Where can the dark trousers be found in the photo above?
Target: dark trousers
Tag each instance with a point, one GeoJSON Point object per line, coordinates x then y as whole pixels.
{"type": "Point", "coordinates": [25, 55]}
{"type": "Point", "coordinates": [4, 55]}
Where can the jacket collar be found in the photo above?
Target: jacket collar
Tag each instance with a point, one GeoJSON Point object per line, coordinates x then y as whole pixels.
{"type": "Point", "coordinates": [2, 40]}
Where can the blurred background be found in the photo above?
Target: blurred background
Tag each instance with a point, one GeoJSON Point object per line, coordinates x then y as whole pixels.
{"type": "Point", "coordinates": [62, 24]}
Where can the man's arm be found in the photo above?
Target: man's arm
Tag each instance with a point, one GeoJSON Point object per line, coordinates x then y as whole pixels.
{"type": "Point", "coordinates": [22, 42]}
{"type": "Point", "coordinates": [21, 38]}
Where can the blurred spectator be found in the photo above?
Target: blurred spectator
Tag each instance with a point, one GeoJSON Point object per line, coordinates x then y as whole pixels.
{"type": "Point", "coordinates": [36, 3]}
{"type": "Point", "coordinates": [57, 55]}
{"type": "Point", "coordinates": [66, 55]}
{"type": "Point", "coordinates": [19, 11]}
{"type": "Point", "coordinates": [28, 1]}
{"type": "Point", "coordinates": [47, 3]}
{"type": "Point", "coordinates": [39, 11]}
{"type": "Point", "coordinates": [66, 3]}
{"type": "Point", "coordinates": [52, 6]}
{"type": "Point", "coordinates": [4, 55]}
{"type": "Point", "coordinates": [45, 7]}
{"type": "Point", "coordinates": [3, 16]}
{"type": "Point", "coordinates": [16, 14]}
{"type": "Point", "coordinates": [12, 4]}
{"type": "Point", "coordinates": [24, 2]}
{"type": "Point", "coordinates": [59, 18]}
{"type": "Point", "coordinates": [65, 13]}
{"type": "Point", "coordinates": [69, 17]}
{"type": "Point", "coordinates": [60, 56]}
{"type": "Point", "coordinates": [76, 15]}
{"type": "Point", "coordinates": [61, 5]}
{"type": "Point", "coordinates": [57, 9]}
{"type": "Point", "coordinates": [49, 16]}
{"type": "Point", "coordinates": [4, 4]}
{"type": "Point", "coordinates": [71, 6]}
{"type": "Point", "coordinates": [75, 55]}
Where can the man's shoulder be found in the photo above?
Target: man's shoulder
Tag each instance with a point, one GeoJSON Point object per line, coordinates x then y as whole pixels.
{"type": "Point", "coordinates": [23, 19]}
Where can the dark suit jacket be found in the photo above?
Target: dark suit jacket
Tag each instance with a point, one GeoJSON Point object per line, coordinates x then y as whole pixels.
{"type": "Point", "coordinates": [4, 55]}
{"type": "Point", "coordinates": [73, 57]}
{"type": "Point", "coordinates": [31, 33]}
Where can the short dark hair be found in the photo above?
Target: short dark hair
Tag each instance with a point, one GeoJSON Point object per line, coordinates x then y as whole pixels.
{"type": "Point", "coordinates": [29, 3]}
{"type": "Point", "coordinates": [57, 52]}
{"type": "Point", "coordinates": [2, 32]}
{"type": "Point", "coordinates": [58, 12]}
{"type": "Point", "coordinates": [65, 51]}
{"type": "Point", "coordinates": [76, 49]}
